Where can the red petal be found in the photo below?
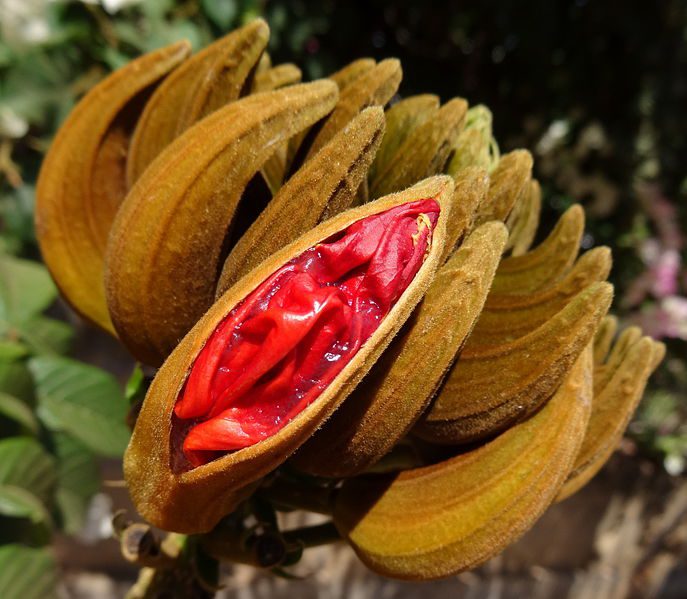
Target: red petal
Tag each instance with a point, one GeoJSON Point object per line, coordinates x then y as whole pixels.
{"type": "Point", "coordinates": [283, 345]}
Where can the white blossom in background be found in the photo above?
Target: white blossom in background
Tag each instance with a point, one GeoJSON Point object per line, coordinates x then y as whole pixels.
{"type": "Point", "coordinates": [24, 22]}
{"type": "Point", "coordinates": [675, 308]}
{"type": "Point", "coordinates": [98, 524]}
{"type": "Point", "coordinates": [27, 22]}
{"type": "Point", "coordinates": [674, 464]}
{"type": "Point", "coordinates": [665, 318]}
{"type": "Point", "coordinates": [113, 6]}
{"type": "Point", "coordinates": [553, 137]}
{"type": "Point", "coordinates": [11, 124]}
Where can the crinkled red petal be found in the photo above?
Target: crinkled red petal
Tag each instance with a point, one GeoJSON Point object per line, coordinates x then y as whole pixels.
{"type": "Point", "coordinates": [288, 339]}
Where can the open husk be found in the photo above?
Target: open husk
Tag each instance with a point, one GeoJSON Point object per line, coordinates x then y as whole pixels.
{"type": "Point", "coordinates": [194, 500]}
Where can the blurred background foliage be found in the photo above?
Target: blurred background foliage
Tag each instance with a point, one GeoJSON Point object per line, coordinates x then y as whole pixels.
{"type": "Point", "coordinates": [51, 431]}
{"type": "Point", "coordinates": [596, 90]}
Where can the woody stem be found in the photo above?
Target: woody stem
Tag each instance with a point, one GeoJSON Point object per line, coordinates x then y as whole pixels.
{"type": "Point", "coordinates": [289, 495]}
{"type": "Point", "coordinates": [313, 536]}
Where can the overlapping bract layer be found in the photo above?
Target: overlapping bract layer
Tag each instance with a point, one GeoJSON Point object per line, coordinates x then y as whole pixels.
{"type": "Point", "coordinates": [83, 180]}
{"type": "Point", "coordinates": [326, 185]}
{"type": "Point", "coordinates": [619, 382]}
{"type": "Point", "coordinates": [201, 199]}
{"type": "Point", "coordinates": [441, 519]}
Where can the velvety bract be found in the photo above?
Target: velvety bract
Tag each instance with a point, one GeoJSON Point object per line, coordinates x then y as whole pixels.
{"type": "Point", "coordinates": [280, 348]}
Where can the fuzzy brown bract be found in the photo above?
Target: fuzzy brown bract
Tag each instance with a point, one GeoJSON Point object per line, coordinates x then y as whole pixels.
{"type": "Point", "coordinates": [492, 387]}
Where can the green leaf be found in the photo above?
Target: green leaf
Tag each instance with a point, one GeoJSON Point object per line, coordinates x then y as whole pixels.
{"type": "Point", "coordinates": [5, 55]}
{"type": "Point", "coordinates": [25, 464]}
{"type": "Point", "coordinates": [27, 573]}
{"type": "Point", "coordinates": [78, 480]}
{"type": "Point", "coordinates": [16, 214]}
{"type": "Point", "coordinates": [128, 33]}
{"type": "Point", "coordinates": [168, 32]}
{"type": "Point", "coordinates": [11, 350]}
{"type": "Point", "coordinates": [72, 510]}
{"type": "Point", "coordinates": [83, 401]}
{"type": "Point", "coordinates": [39, 81]}
{"type": "Point", "coordinates": [16, 502]}
{"type": "Point", "coordinates": [136, 386]}
{"type": "Point", "coordinates": [16, 380]}
{"type": "Point", "coordinates": [113, 58]}
{"type": "Point", "coordinates": [25, 290]}
{"type": "Point", "coordinates": [17, 410]}
{"type": "Point", "coordinates": [156, 10]}
{"type": "Point", "coordinates": [221, 12]}
{"type": "Point", "coordinates": [47, 335]}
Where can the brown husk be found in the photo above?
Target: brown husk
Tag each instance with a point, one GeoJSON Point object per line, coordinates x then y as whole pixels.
{"type": "Point", "coordinates": [435, 521]}
{"type": "Point", "coordinates": [81, 183]}
{"type": "Point", "coordinates": [193, 501]}
{"type": "Point", "coordinates": [491, 387]}
{"type": "Point", "coordinates": [212, 78]}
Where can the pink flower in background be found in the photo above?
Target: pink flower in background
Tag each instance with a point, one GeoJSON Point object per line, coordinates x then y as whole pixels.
{"type": "Point", "coordinates": [661, 278]}
{"type": "Point", "coordinates": [664, 267]}
{"type": "Point", "coordinates": [663, 213]}
{"type": "Point", "coordinates": [666, 318]}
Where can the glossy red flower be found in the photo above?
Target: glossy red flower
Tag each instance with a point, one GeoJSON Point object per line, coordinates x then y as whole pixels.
{"type": "Point", "coordinates": [283, 345]}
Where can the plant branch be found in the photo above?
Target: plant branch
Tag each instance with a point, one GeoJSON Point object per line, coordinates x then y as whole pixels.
{"type": "Point", "coordinates": [284, 494]}
{"type": "Point", "coordinates": [313, 536]}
